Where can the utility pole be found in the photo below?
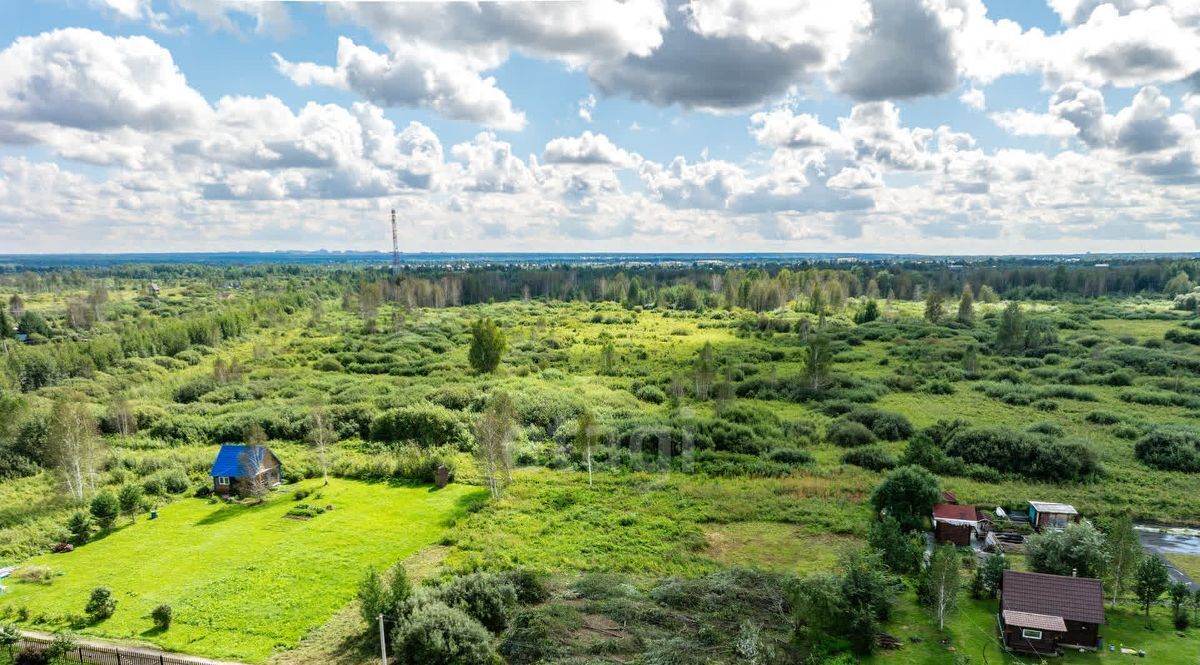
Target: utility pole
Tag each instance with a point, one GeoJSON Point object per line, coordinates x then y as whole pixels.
{"type": "Point", "coordinates": [395, 252]}
{"type": "Point", "coordinates": [382, 641]}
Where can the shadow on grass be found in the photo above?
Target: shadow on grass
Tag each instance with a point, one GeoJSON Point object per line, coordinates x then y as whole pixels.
{"type": "Point", "coordinates": [230, 511]}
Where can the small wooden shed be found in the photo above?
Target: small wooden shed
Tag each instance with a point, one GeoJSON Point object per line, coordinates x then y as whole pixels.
{"type": "Point", "coordinates": [1047, 515]}
{"type": "Point", "coordinates": [238, 467]}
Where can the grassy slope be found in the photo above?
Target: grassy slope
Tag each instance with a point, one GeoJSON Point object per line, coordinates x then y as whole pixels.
{"type": "Point", "coordinates": [242, 580]}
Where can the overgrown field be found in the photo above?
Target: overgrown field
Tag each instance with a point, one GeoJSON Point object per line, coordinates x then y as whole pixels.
{"type": "Point", "coordinates": [731, 427]}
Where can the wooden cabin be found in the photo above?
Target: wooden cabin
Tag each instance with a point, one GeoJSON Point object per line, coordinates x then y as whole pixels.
{"type": "Point", "coordinates": [238, 468]}
{"type": "Point", "coordinates": [1040, 614]}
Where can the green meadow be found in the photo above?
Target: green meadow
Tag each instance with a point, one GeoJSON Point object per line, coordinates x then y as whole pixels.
{"type": "Point", "coordinates": [243, 580]}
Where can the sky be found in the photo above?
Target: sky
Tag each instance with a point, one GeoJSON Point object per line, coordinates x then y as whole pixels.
{"type": "Point", "coordinates": [924, 126]}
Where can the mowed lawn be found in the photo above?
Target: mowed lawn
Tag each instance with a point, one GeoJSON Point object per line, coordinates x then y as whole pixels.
{"type": "Point", "coordinates": [242, 580]}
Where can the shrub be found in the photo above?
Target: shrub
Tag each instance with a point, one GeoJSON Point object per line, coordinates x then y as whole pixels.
{"type": "Point", "coordinates": [1009, 451]}
{"type": "Point", "coordinates": [790, 456]}
{"type": "Point", "coordinates": [329, 364]}
{"type": "Point", "coordinates": [424, 424]}
{"type": "Point", "coordinates": [31, 656]}
{"type": "Point", "coordinates": [530, 586]}
{"type": "Point", "coordinates": [162, 616]}
{"type": "Point", "coordinates": [437, 634]}
{"type": "Point", "coordinates": [1048, 428]}
{"type": "Point", "coordinates": [193, 390]}
{"type": "Point", "coordinates": [884, 424]}
{"type": "Point", "coordinates": [848, 433]}
{"type": "Point", "coordinates": [1170, 449]}
{"type": "Point", "coordinates": [870, 457]}
{"type": "Point", "coordinates": [1102, 418]}
{"type": "Point", "coordinates": [101, 604]}
{"type": "Point", "coordinates": [534, 634]}
{"type": "Point", "coordinates": [485, 597]}
{"type": "Point", "coordinates": [650, 393]}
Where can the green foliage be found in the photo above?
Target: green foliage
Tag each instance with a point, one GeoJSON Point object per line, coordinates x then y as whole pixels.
{"type": "Point", "coordinates": [101, 604]}
{"type": "Point", "coordinates": [105, 508]}
{"type": "Point", "coordinates": [870, 457]}
{"type": "Point", "coordinates": [907, 495]}
{"type": "Point", "coordinates": [62, 647]}
{"type": "Point", "coordinates": [487, 345]}
{"type": "Point", "coordinates": [848, 433]}
{"type": "Point", "coordinates": [424, 424]}
{"type": "Point", "coordinates": [852, 606]}
{"type": "Point", "coordinates": [129, 498]}
{"type": "Point", "coordinates": [79, 525]}
{"type": "Point", "coordinates": [162, 615]}
{"type": "Point", "coordinates": [1024, 454]}
{"type": "Point", "coordinates": [437, 634]}
{"type": "Point", "coordinates": [1150, 581]}
{"type": "Point", "coordinates": [900, 551]}
{"type": "Point", "coordinates": [1170, 449]}
{"type": "Point", "coordinates": [1078, 549]}
{"type": "Point", "coordinates": [939, 583]}
{"type": "Point", "coordinates": [988, 576]}
{"type": "Point", "coordinates": [935, 306]}
{"type": "Point", "coordinates": [485, 597]}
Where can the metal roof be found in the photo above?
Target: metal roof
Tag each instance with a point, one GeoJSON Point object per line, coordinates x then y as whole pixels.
{"type": "Point", "coordinates": [1054, 508]}
{"type": "Point", "coordinates": [1031, 620]}
{"type": "Point", "coordinates": [1072, 598]}
{"type": "Point", "coordinates": [229, 460]}
{"type": "Point", "coordinates": [955, 512]}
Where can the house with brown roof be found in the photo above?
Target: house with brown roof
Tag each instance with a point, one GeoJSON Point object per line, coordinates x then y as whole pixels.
{"type": "Point", "coordinates": [1039, 613]}
{"type": "Point", "coordinates": [955, 524]}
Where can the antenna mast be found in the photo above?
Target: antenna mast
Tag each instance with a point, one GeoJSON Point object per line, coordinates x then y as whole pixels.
{"type": "Point", "coordinates": [395, 246]}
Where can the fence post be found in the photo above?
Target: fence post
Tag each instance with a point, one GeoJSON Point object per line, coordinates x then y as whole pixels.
{"type": "Point", "coordinates": [80, 655]}
{"type": "Point", "coordinates": [118, 657]}
{"type": "Point", "coordinates": [160, 659]}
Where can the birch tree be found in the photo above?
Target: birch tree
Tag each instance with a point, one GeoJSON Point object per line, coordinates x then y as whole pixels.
{"type": "Point", "coordinates": [586, 434]}
{"type": "Point", "coordinates": [321, 436]}
{"type": "Point", "coordinates": [1124, 550]}
{"type": "Point", "coordinates": [75, 446]}
{"type": "Point", "coordinates": [494, 431]}
{"type": "Point", "coordinates": [940, 582]}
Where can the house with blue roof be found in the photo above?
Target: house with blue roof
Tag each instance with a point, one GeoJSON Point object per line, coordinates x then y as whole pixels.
{"type": "Point", "coordinates": [240, 469]}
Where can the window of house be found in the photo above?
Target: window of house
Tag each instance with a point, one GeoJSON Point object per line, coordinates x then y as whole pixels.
{"type": "Point", "coordinates": [1031, 634]}
{"type": "Point", "coordinates": [223, 481]}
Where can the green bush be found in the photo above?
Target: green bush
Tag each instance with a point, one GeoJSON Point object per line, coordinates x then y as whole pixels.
{"type": "Point", "coordinates": [486, 597]}
{"type": "Point", "coordinates": [790, 456]}
{"type": "Point", "coordinates": [101, 604]}
{"type": "Point", "coordinates": [1009, 451]}
{"type": "Point", "coordinates": [437, 634]}
{"type": "Point", "coordinates": [870, 457]}
{"type": "Point", "coordinates": [849, 433]}
{"type": "Point", "coordinates": [424, 424]}
{"type": "Point", "coordinates": [162, 615]}
{"type": "Point", "coordinates": [1170, 449]}
{"type": "Point", "coordinates": [886, 425]}
{"type": "Point", "coordinates": [650, 393]}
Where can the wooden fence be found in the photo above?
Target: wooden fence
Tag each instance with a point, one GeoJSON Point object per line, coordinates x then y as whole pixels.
{"type": "Point", "coordinates": [95, 654]}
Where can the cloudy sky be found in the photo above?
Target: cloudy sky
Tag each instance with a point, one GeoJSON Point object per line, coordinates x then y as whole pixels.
{"type": "Point", "coordinates": [933, 126]}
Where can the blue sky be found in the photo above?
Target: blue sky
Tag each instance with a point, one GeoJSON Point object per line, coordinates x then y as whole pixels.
{"type": "Point", "coordinates": [869, 125]}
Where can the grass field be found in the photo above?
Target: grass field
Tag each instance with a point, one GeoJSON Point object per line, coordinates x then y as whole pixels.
{"type": "Point", "coordinates": [1188, 563]}
{"type": "Point", "coordinates": [243, 581]}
